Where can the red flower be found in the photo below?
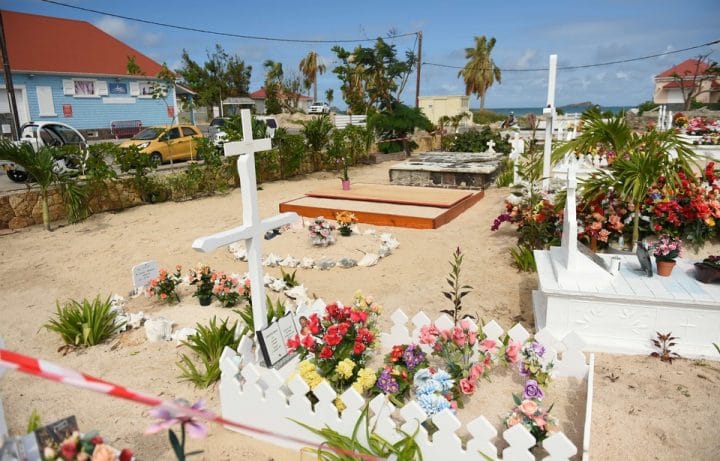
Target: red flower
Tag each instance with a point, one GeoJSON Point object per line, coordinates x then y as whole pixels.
{"type": "Point", "coordinates": [365, 335]}
{"type": "Point", "coordinates": [293, 343]}
{"type": "Point", "coordinates": [314, 324]}
{"type": "Point", "coordinates": [68, 449]}
{"type": "Point", "coordinates": [97, 440]}
{"type": "Point", "coordinates": [326, 352]}
{"type": "Point", "coordinates": [332, 311]}
{"type": "Point", "coordinates": [332, 339]}
{"type": "Point", "coordinates": [397, 352]}
{"type": "Point", "coordinates": [358, 316]}
{"type": "Point", "coordinates": [342, 328]}
{"type": "Point", "coordinates": [307, 341]}
{"type": "Point", "coordinates": [358, 348]}
{"type": "Point", "coordinates": [126, 454]}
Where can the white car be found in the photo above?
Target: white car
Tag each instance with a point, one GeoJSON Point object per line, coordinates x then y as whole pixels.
{"type": "Point", "coordinates": [218, 136]}
{"type": "Point", "coordinates": [50, 134]}
{"type": "Point", "coordinates": [319, 108]}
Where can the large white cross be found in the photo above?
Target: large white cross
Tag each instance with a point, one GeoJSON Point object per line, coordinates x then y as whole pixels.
{"type": "Point", "coordinates": [253, 229]}
{"type": "Point", "coordinates": [549, 112]}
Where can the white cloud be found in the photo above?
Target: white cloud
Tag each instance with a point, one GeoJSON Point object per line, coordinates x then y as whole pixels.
{"type": "Point", "coordinates": [127, 32]}
{"type": "Point", "coordinates": [622, 75]}
{"type": "Point", "coordinates": [527, 57]}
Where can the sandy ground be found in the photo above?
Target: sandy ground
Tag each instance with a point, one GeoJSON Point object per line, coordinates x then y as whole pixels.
{"type": "Point", "coordinates": [643, 409]}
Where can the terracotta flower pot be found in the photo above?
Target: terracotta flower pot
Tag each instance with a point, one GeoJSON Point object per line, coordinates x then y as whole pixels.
{"type": "Point", "coordinates": [664, 268]}
{"type": "Point", "coordinates": [706, 274]}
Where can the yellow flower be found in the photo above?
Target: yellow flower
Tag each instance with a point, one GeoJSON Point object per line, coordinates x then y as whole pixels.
{"type": "Point", "coordinates": [345, 368]}
{"type": "Point", "coordinates": [358, 387]}
{"type": "Point", "coordinates": [313, 379]}
{"type": "Point", "coordinates": [339, 404]}
{"type": "Point", "coordinates": [306, 366]}
{"type": "Point", "coordinates": [366, 378]}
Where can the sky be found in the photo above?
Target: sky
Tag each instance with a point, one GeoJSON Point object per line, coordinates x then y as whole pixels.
{"type": "Point", "coordinates": [527, 33]}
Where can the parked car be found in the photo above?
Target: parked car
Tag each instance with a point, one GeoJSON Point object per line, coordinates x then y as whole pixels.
{"type": "Point", "coordinates": [218, 136]}
{"type": "Point", "coordinates": [319, 108]}
{"type": "Point", "coordinates": [47, 134]}
{"type": "Point", "coordinates": [163, 143]}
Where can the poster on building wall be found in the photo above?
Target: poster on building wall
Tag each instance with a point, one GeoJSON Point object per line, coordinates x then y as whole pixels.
{"type": "Point", "coordinates": [67, 110]}
{"type": "Point", "coordinates": [118, 89]}
{"type": "Point", "coordinates": [171, 111]}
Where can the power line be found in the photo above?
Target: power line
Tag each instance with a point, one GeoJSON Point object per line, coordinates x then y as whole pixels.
{"type": "Point", "coordinates": [213, 32]}
{"type": "Point", "coordinates": [585, 66]}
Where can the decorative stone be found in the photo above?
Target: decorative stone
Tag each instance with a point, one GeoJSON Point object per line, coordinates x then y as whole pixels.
{"type": "Point", "coordinates": [384, 251]}
{"type": "Point", "coordinates": [299, 294]}
{"type": "Point", "coordinates": [389, 241]}
{"type": "Point", "coordinates": [325, 264]}
{"type": "Point", "coordinates": [307, 263]}
{"type": "Point", "coordinates": [158, 329]}
{"type": "Point", "coordinates": [346, 263]}
{"type": "Point", "coordinates": [290, 262]}
{"type": "Point", "coordinates": [272, 260]}
{"type": "Point", "coordinates": [182, 334]}
{"type": "Point", "coordinates": [277, 285]}
{"type": "Point", "coordinates": [370, 259]}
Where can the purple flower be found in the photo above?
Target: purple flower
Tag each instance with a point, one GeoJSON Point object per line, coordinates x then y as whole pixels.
{"type": "Point", "coordinates": [538, 348]}
{"type": "Point", "coordinates": [169, 415]}
{"type": "Point", "coordinates": [387, 383]}
{"type": "Point", "coordinates": [413, 356]}
{"type": "Point", "coordinates": [532, 390]}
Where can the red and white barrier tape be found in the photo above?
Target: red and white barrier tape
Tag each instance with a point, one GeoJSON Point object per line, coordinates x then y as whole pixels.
{"type": "Point", "coordinates": [54, 372]}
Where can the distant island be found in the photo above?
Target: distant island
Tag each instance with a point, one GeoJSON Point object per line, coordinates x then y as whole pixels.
{"type": "Point", "coordinates": [577, 107]}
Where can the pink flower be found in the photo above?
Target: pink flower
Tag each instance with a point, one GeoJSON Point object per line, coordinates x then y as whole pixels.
{"type": "Point", "coordinates": [513, 420]}
{"type": "Point", "coordinates": [467, 386]}
{"type": "Point", "coordinates": [465, 324]}
{"type": "Point", "coordinates": [458, 336]}
{"type": "Point", "coordinates": [428, 334]}
{"type": "Point", "coordinates": [476, 371]}
{"type": "Point", "coordinates": [168, 416]}
{"type": "Point", "coordinates": [539, 421]}
{"type": "Point", "coordinates": [528, 407]}
{"type": "Point", "coordinates": [512, 351]}
{"type": "Point", "coordinates": [488, 345]}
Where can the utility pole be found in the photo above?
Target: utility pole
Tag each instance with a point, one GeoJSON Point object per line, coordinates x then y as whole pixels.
{"type": "Point", "coordinates": [9, 82]}
{"type": "Point", "coordinates": [419, 65]}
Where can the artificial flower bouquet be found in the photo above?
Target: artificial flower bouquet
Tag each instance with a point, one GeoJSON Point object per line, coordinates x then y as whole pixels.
{"type": "Point", "coordinates": [530, 413]}
{"type": "Point", "coordinates": [202, 278]}
{"type": "Point", "coordinates": [666, 248]}
{"type": "Point", "coordinates": [398, 373]}
{"type": "Point", "coordinates": [85, 447]}
{"type": "Point", "coordinates": [321, 232]}
{"type": "Point", "coordinates": [226, 289]}
{"type": "Point", "coordinates": [163, 286]}
{"type": "Point", "coordinates": [344, 220]}
{"type": "Point", "coordinates": [712, 261]}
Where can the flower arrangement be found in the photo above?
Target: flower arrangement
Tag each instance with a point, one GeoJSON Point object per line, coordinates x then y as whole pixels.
{"type": "Point", "coordinates": [529, 412]}
{"type": "Point", "coordinates": [345, 219]}
{"type": "Point", "coordinates": [712, 261]}
{"type": "Point", "coordinates": [321, 232]}
{"type": "Point", "coordinates": [202, 278]}
{"type": "Point", "coordinates": [667, 248]}
{"type": "Point", "coordinates": [433, 390]}
{"type": "Point", "coordinates": [163, 286]}
{"type": "Point", "coordinates": [341, 342]}
{"type": "Point", "coordinates": [679, 120]}
{"type": "Point", "coordinates": [364, 381]}
{"type": "Point", "coordinates": [604, 218]}
{"type": "Point", "coordinates": [225, 289]}
{"type": "Point", "coordinates": [398, 374]}
{"type": "Point", "coordinates": [85, 447]}
{"type": "Point", "coordinates": [535, 363]}
{"type": "Point", "coordinates": [465, 351]}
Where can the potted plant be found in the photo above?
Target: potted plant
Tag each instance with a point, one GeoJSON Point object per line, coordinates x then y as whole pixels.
{"type": "Point", "coordinates": [345, 219]}
{"type": "Point", "coordinates": [321, 232]}
{"type": "Point", "coordinates": [345, 178]}
{"type": "Point", "coordinates": [202, 278]}
{"type": "Point", "coordinates": [708, 270]}
{"type": "Point", "coordinates": [665, 250]}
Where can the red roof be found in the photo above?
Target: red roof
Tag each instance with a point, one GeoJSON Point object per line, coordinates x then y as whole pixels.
{"type": "Point", "coordinates": [685, 68]}
{"type": "Point", "coordinates": [261, 94]}
{"type": "Point", "coordinates": [67, 46]}
{"type": "Point", "coordinates": [676, 84]}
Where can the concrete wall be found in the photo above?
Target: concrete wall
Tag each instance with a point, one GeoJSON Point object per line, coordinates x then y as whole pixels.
{"type": "Point", "coordinates": [435, 107]}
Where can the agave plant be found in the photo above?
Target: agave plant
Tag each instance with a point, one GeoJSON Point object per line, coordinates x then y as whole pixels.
{"type": "Point", "coordinates": [208, 343]}
{"type": "Point", "coordinates": [84, 323]}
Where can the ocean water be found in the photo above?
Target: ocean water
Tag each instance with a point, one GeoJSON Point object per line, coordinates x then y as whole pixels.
{"type": "Point", "coordinates": [519, 111]}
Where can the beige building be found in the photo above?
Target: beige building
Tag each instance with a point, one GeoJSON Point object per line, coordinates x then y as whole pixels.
{"type": "Point", "coordinates": [435, 107]}
{"type": "Point", "coordinates": [669, 84]}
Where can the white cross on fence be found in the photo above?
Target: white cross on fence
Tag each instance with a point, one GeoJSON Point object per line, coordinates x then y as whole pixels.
{"type": "Point", "coordinates": [253, 228]}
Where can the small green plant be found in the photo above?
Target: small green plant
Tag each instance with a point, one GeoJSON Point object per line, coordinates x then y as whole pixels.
{"type": "Point", "coordinates": [289, 279]}
{"type": "Point", "coordinates": [457, 291]}
{"type": "Point", "coordinates": [523, 258]}
{"type": "Point", "coordinates": [85, 323]}
{"type": "Point", "coordinates": [34, 422]}
{"type": "Point", "coordinates": [274, 311]}
{"type": "Point", "coordinates": [664, 343]}
{"type": "Point", "coordinates": [208, 344]}
{"type": "Point", "coordinates": [506, 176]}
{"type": "Point", "coordinates": [343, 448]}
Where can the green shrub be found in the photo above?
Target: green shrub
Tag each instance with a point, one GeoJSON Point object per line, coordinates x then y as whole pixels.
{"type": "Point", "coordinates": [524, 258]}
{"type": "Point", "coordinates": [274, 311]}
{"type": "Point", "coordinates": [291, 151]}
{"type": "Point", "coordinates": [506, 175]}
{"type": "Point", "coordinates": [476, 141]}
{"type": "Point", "coordinates": [86, 323]}
{"type": "Point", "coordinates": [208, 344]}
{"type": "Point", "coordinates": [486, 117]}
{"type": "Point", "coordinates": [646, 106]}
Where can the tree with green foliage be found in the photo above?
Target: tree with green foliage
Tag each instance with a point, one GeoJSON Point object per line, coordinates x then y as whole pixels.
{"type": "Point", "coordinates": [395, 125]}
{"type": "Point", "coordinates": [372, 78]}
{"type": "Point", "coordinates": [317, 136]}
{"type": "Point", "coordinates": [329, 95]}
{"type": "Point", "coordinates": [221, 76]}
{"type": "Point", "coordinates": [273, 86]}
{"type": "Point", "coordinates": [310, 66]}
{"type": "Point", "coordinates": [480, 71]}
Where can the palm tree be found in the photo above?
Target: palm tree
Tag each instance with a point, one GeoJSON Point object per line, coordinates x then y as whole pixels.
{"type": "Point", "coordinates": [39, 165]}
{"type": "Point", "coordinates": [641, 161]}
{"type": "Point", "coordinates": [480, 72]}
{"type": "Point", "coordinates": [273, 70]}
{"type": "Point", "coordinates": [310, 68]}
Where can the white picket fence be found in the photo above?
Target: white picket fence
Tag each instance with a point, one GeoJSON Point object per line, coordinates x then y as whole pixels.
{"type": "Point", "coordinates": [341, 121]}
{"type": "Point", "coordinates": [266, 399]}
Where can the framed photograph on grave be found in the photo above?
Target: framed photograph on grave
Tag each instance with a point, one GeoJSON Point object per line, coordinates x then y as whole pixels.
{"type": "Point", "coordinates": [54, 434]}
{"type": "Point", "coordinates": [643, 256]}
{"type": "Point", "coordinates": [273, 341]}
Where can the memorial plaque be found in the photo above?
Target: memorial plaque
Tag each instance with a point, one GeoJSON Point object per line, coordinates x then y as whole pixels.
{"type": "Point", "coordinates": [143, 273]}
{"type": "Point", "coordinates": [643, 256]}
{"type": "Point", "coordinates": [54, 434]}
{"type": "Point", "coordinates": [592, 256]}
{"type": "Point", "coordinates": [273, 341]}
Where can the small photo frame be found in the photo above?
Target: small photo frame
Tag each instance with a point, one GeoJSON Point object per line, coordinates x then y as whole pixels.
{"type": "Point", "coordinates": [118, 89]}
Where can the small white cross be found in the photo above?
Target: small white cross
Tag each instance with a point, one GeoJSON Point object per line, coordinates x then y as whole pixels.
{"type": "Point", "coordinates": [490, 145]}
{"type": "Point", "coordinates": [253, 228]}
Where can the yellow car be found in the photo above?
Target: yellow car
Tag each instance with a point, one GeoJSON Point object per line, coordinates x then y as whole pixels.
{"type": "Point", "coordinates": [163, 143]}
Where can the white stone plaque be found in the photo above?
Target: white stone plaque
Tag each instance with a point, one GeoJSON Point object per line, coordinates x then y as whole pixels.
{"type": "Point", "coordinates": [273, 340]}
{"type": "Point", "coordinates": [143, 273]}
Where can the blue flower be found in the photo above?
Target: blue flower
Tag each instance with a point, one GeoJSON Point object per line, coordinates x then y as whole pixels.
{"type": "Point", "coordinates": [444, 380]}
{"type": "Point", "coordinates": [422, 376]}
{"type": "Point", "coordinates": [429, 387]}
{"type": "Point", "coordinates": [432, 403]}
